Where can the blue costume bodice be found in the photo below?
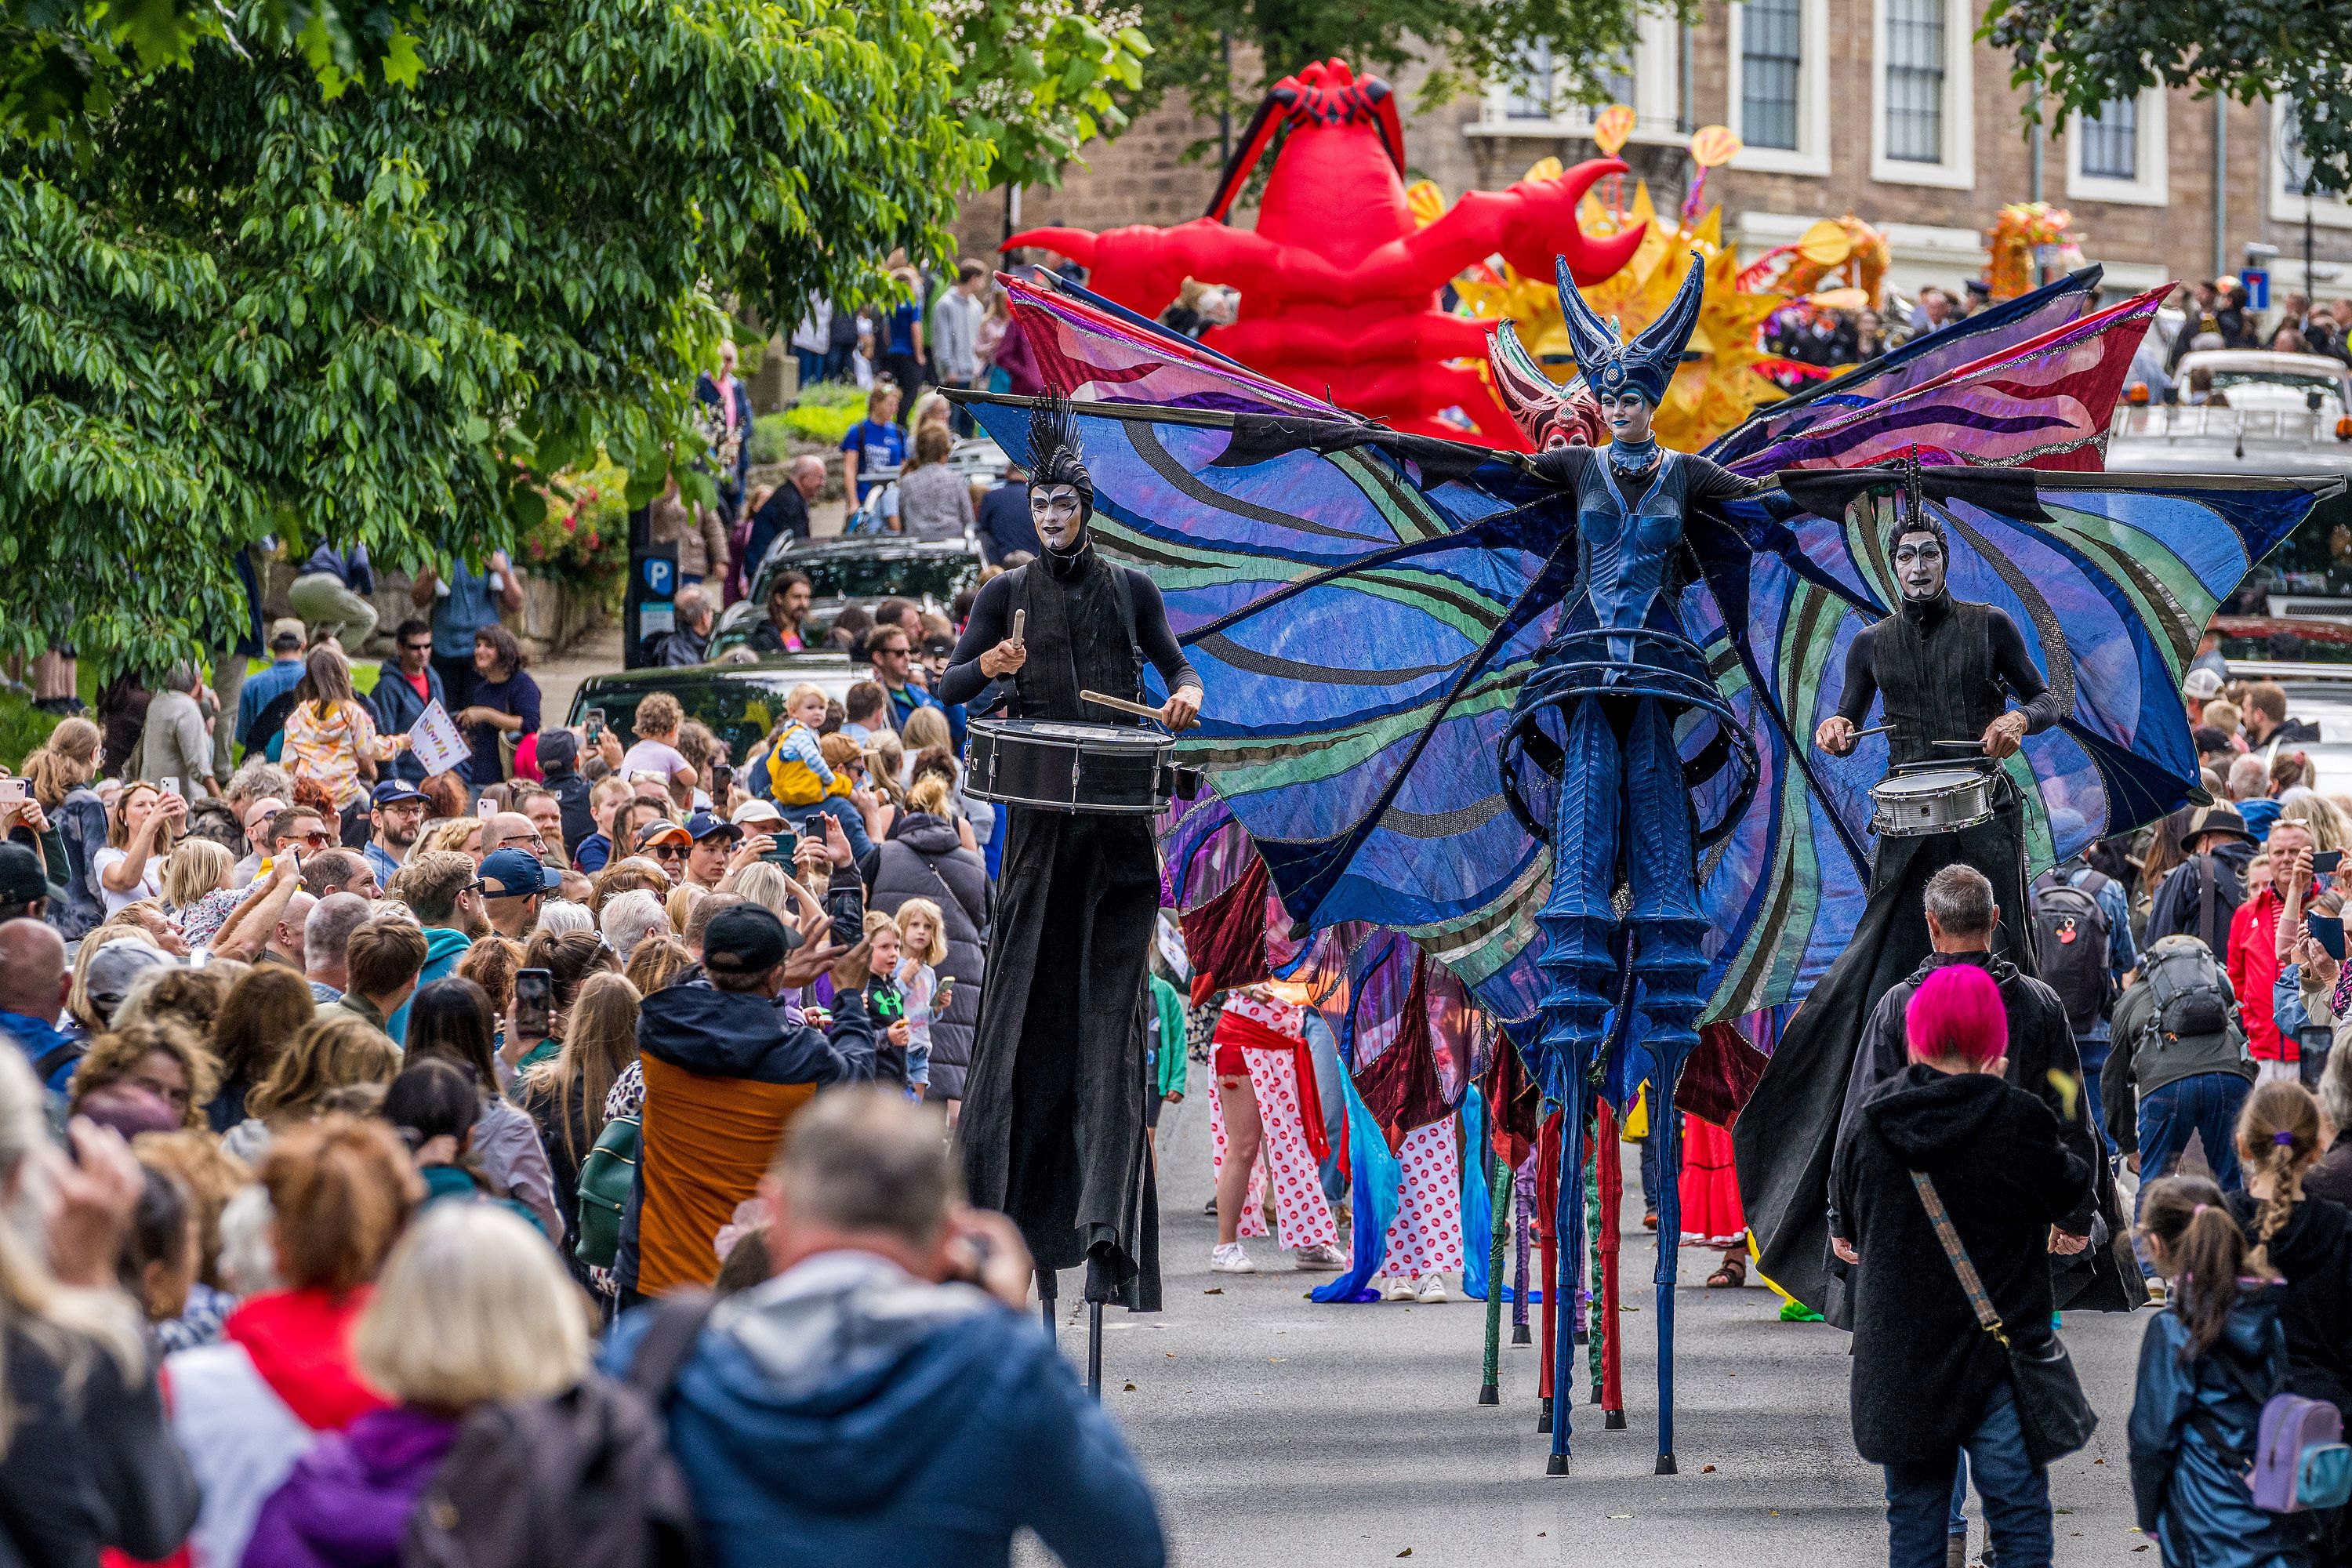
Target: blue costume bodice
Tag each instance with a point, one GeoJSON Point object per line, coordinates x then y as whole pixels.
{"type": "Point", "coordinates": [1625, 533]}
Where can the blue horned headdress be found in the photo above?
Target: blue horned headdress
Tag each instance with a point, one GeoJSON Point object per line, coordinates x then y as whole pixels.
{"type": "Point", "coordinates": [1643, 366]}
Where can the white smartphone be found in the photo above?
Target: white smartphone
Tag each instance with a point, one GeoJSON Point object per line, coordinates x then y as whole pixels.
{"type": "Point", "coordinates": [486, 808]}
{"type": "Point", "coordinates": [171, 786]}
{"type": "Point", "coordinates": [15, 792]}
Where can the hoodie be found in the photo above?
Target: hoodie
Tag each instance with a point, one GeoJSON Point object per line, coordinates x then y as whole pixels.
{"type": "Point", "coordinates": [724, 1072]}
{"type": "Point", "coordinates": [848, 1412]}
{"type": "Point", "coordinates": [1922, 1366]}
{"type": "Point", "coordinates": [443, 948]}
{"type": "Point", "coordinates": [347, 1502]}
{"type": "Point", "coordinates": [2185, 1492]}
{"type": "Point", "coordinates": [2313, 1254]}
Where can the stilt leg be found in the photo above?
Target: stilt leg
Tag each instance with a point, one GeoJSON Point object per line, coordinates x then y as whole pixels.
{"type": "Point", "coordinates": [1499, 1206]}
{"type": "Point", "coordinates": [1613, 1190]}
{"type": "Point", "coordinates": [1599, 1329]}
{"type": "Point", "coordinates": [1522, 1207]}
{"type": "Point", "coordinates": [1569, 1226]}
{"type": "Point", "coordinates": [1046, 1301]}
{"type": "Point", "coordinates": [1094, 1349]}
{"type": "Point", "coordinates": [1670, 1236]}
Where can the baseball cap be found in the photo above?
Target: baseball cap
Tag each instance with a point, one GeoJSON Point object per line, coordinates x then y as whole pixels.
{"type": "Point", "coordinates": [118, 963]}
{"type": "Point", "coordinates": [287, 632]}
{"type": "Point", "coordinates": [2202, 685]}
{"type": "Point", "coordinates": [747, 938]}
{"type": "Point", "coordinates": [756, 813]}
{"type": "Point", "coordinates": [557, 748]}
{"type": "Point", "coordinates": [517, 874]}
{"type": "Point", "coordinates": [661, 832]}
{"type": "Point", "coordinates": [391, 792]}
{"type": "Point", "coordinates": [705, 825]}
{"type": "Point", "coordinates": [21, 881]}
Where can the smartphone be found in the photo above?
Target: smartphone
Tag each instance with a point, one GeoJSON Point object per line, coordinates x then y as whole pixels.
{"type": "Point", "coordinates": [171, 786]}
{"type": "Point", "coordinates": [786, 848]}
{"type": "Point", "coordinates": [847, 908]}
{"type": "Point", "coordinates": [2327, 931]}
{"type": "Point", "coordinates": [594, 727]}
{"type": "Point", "coordinates": [534, 1003]}
{"type": "Point", "coordinates": [486, 808]}
{"type": "Point", "coordinates": [2326, 860]}
{"type": "Point", "coordinates": [940, 998]}
{"type": "Point", "coordinates": [15, 792]}
{"type": "Point", "coordinates": [722, 780]}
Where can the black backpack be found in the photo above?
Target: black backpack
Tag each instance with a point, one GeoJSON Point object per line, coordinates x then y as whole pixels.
{"type": "Point", "coordinates": [584, 1479]}
{"type": "Point", "coordinates": [2070, 946]}
{"type": "Point", "coordinates": [2191, 998]}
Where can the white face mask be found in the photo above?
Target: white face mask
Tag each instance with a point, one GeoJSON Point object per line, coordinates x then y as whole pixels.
{"type": "Point", "coordinates": [1054, 510]}
{"type": "Point", "coordinates": [1920, 566]}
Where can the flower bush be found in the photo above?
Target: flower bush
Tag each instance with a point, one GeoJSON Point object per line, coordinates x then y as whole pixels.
{"type": "Point", "coordinates": [582, 543]}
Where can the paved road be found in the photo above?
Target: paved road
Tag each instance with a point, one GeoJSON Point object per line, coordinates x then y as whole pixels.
{"type": "Point", "coordinates": [1283, 1432]}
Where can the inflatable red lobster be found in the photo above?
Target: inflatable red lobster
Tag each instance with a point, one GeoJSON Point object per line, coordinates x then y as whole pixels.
{"type": "Point", "coordinates": [1338, 284]}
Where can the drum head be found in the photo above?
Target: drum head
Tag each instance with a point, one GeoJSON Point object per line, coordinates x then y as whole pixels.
{"type": "Point", "coordinates": [1934, 782]}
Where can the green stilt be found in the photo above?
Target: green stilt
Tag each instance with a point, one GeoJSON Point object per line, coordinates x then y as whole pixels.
{"type": "Point", "coordinates": [1499, 1191]}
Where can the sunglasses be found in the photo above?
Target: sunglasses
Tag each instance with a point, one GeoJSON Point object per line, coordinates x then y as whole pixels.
{"type": "Point", "coordinates": [668, 852]}
{"type": "Point", "coordinates": [318, 840]}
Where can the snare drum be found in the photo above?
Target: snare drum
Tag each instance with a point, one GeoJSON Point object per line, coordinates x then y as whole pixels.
{"type": "Point", "coordinates": [1934, 800]}
{"type": "Point", "coordinates": [1061, 766]}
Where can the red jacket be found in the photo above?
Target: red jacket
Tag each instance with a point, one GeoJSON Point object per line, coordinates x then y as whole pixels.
{"type": "Point", "coordinates": [2254, 970]}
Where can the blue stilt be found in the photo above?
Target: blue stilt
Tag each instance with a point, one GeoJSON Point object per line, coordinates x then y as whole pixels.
{"type": "Point", "coordinates": [1567, 1224]}
{"type": "Point", "coordinates": [1670, 1236]}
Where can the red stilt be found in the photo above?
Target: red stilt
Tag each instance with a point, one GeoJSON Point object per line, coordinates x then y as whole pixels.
{"type": "Point", "coordinates": [1607, 1157]}
{"type": "Point", "coordinates": [1546, 1233]}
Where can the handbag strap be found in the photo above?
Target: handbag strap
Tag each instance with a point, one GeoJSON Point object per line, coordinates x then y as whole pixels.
{"type": "Point", "coordinates": [1986, 1317]}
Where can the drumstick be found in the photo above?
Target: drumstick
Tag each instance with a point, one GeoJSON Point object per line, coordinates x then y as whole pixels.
{"type": "Point", "coordinates": [1124, 706]}
{"type": "Point", "coordinates": [1020, 623]}
{"type": "Point", "coordinates": [1874, 730]}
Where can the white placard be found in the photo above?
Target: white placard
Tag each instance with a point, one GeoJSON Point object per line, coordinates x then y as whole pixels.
{"type": "Point", "coordinates": [434, 739]}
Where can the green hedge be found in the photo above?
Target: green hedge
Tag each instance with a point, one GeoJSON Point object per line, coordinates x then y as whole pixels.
{"type": "Point", "coordinates": [822, 414]}
{"type": "Point", "coordinates": [23, 728]}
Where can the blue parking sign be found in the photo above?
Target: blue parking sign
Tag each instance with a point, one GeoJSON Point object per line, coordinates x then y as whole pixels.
{"type": "Point", "coordinates": [2257, 281]}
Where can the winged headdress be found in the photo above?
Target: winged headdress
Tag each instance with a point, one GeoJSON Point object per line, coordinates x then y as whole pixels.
{"type": "Point", "coordinates": [1642, 366]}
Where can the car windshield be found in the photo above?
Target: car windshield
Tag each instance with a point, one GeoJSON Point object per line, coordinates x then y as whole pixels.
{"type": "Point", "coordinates": [866, 577]}
{"type": "Point", "coordinates": [2272, 389]}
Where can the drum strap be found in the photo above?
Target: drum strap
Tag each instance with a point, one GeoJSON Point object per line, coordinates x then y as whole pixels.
{"type": "Point", "coordinates": [2209, 903]}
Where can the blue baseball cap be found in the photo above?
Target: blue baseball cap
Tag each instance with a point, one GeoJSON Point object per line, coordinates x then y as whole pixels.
{"type": "Point", "coordinates": [517, 874]}
{"type": "Point", "coordinates": [391, 792]}
{"type": "Point", "coordinates": [704, 825]}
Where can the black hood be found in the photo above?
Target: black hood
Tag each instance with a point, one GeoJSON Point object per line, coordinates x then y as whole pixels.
{"type": "Point", "coordinates": [1929, 1116]}
{"type": "Point", "coordinates": [2001, 970]}
{"type": "Point", "coordinates": [926, 834]}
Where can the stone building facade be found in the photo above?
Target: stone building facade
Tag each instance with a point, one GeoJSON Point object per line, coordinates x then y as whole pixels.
{"type": "Point", "coordinates": [1891, 109]}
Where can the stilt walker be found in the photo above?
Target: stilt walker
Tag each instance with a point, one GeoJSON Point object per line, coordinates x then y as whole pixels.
{"type": "Point", "coordinates": [1497, 1176]}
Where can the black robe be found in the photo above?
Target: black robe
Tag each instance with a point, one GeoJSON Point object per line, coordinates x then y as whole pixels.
{"type": "Point", "coordinates": [1053, 1121]}
{"type": "Point", "coordinates": [1944, 671]}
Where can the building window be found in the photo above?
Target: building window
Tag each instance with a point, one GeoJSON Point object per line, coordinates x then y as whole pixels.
{"type": "Point", "coordinates": [2111, 141]}
{"type": "Point", "coordinates": [1531, 96]}
{"type": "Point", "coordinates": [1771, 62]}
{"type": "Point", "coordinates": [1528, 102]}
{"type": "Point", "coordinates": [2290, 170]}
{"type": "Point", "coordinates": [1915, 80]}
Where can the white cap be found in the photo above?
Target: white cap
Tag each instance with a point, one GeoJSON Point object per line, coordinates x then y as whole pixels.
{"type": "Point", "coordinates": [2202, 684]}
{"type": "Point", "coordinates": [754, 811]}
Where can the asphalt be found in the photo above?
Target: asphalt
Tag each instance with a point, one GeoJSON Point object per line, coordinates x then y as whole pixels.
{"type": "Point", "coordinates": [1283, 1432]}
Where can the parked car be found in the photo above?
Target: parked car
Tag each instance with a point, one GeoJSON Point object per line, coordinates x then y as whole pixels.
{"type": "Point", "coordinates": [2284, 416]}
{"type": "Point", "coordinates": [739, 702]}
{"type": "Point", "coordinates": [860, 571]}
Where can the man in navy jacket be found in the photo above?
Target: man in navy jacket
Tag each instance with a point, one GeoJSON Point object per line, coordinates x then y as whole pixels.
{"type": "Point", "coordinates": [398, 702]}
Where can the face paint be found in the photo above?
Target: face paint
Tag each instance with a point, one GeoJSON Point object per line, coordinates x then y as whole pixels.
{"type": "Point", "coordinates": [1920, 566]}
{"type": "Point", "coordinates": [1054, 509]}
{"type": "Point", "coordinates": [1628, 417]}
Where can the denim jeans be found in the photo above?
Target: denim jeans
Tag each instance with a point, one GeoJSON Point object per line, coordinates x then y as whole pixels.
{"type": "Point", "coordinates": [2207, 1104]}
{"type": "Point", "coordinates": [2016, 1493]}
{"type": "Point", "coordinates": [2094, 1052]}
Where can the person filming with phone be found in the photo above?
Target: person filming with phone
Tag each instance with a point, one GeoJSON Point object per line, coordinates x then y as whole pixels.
{"type": "Point", "coordinates": [727, 1067]}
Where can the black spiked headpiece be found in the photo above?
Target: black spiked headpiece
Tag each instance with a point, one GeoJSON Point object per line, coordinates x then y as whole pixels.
{"type": "Point", "coordinates": [1055, 458]}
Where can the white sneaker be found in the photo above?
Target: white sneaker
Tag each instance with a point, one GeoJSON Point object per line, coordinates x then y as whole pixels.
{"type": "Point", "coordinates": [1322, 1258]}
{"type": "Point", "coordinates": [1397, 1289]}
{"type": "Point", "coordinates": [1229, 1259]}
{"type": "Point", "coordinates": [1430, 1287]}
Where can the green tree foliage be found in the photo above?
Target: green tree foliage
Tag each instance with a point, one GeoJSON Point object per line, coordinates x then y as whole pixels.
{"type": "Point", "coordinates": [1036, 80]}
{"type": "Point", "coordinates": [2082, 53]}
{"type": "Point", "coordinates": [243, 297]}
{"type": "Point", "coordinates": [1461, 42]}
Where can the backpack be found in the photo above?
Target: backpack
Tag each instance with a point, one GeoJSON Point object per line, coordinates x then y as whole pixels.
{"type": "Point", "coordinates": [2190, 992]}
{"type": "Point", "coordinates": [583, 1480]}
{"type": "Point", "coordinates": [2300, 1461]}
{"type": "Point", "coordinates": [606, 1177]}
{"type": "Point", "coordinates": [2070, 946]}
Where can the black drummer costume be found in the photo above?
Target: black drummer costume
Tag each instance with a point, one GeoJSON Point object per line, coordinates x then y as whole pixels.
{"type": "Point", "coordinates": [1944, 669]}
{"type": "Point", "coordinates": [1053, 1118]}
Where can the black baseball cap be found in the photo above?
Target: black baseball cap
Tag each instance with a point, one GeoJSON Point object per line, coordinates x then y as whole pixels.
{"type": "Point", "coordinates": [393, 792]}
{"type": "Point", "coordinates": [557, 748]}
{"type": "Point", "coordinates": [21, 881]}
{"type": "Point", "coordinates": [747, 938]}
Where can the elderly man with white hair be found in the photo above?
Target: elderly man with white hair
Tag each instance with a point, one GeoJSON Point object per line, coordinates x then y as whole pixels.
{"type": "Point", "coordinates": [630, 918]}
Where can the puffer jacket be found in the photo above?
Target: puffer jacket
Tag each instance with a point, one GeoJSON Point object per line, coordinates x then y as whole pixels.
{"type": "Point", "coordinates": [80, 821]}
{"type": "Point", "coordinates": [925, 860]}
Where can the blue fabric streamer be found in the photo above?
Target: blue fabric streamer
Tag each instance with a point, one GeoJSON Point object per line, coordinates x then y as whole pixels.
{"type": "Point", "coordinates": [1477, 1203]}
{"type": "Point", "coordinates": [1377, 1180]}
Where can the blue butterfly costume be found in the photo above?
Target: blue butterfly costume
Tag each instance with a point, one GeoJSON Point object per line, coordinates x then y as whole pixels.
{"type": "Point", "coordinates": [1547, 719]}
